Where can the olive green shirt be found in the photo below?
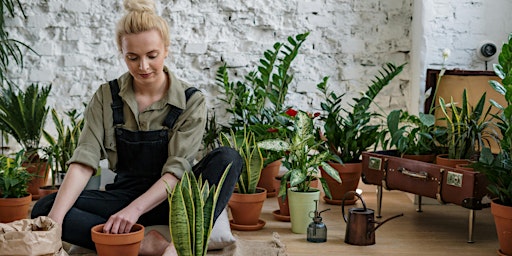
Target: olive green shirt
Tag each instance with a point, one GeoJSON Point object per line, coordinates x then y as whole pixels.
{"type": "Point", "coordinates": [97, 140]}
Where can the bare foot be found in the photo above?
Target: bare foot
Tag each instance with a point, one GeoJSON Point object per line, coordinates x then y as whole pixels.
{"type": "Point", "coordinates": [153, 243]}
{"type": "Point", "coordinates": [170, 250]}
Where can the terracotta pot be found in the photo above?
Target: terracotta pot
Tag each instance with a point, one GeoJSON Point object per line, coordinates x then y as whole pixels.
{"type": "Point", "coordinates": [246, 209]}
{"type": "Point", "coordinates": [47, 190]}
{"type": "Point", "coordinates": [430, 158]}
{"type": "Point", "coordinates": [350, 174]}
{"type": "Point", "coordinates": [301, 204]}
{"type": "Point", "coordinates": [12, 209]}
{"type": "Point", "coordinates": [503, 221]}
{"type": "Point", "coordinates": [267, 177]}
{"type": "Point", "coordinates": [39, 168]}
{"type": "Point", "coordinates": [465, 167]}
{"type": "Point", "coordinates": [443, 160]}
{"type": "Point", "coordinates": [117, 244]}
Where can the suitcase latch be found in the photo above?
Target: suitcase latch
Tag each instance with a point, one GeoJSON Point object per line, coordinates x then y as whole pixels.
{"type": "Point", "coordinates": [454, 179]}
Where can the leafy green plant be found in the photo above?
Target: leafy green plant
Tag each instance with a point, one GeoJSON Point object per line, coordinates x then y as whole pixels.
{"type": "Point", "coordinates": [244, 141]}
{"type": "Point", "coordinates": [10, 49]}
{"type": "Point", "coordinates": [498, 168]}
{"type": "Point", "coordinates": [258, 100]}
{"type": "Point", "coordinates": [192, 205]}
{"type": "Point", "coordinates": [349, 133]}
{"type": "Point", "coordinates": [61, 148]}
{"type": "Point", "coordinates": [466, 126]}
{"type": "Point", "coordinates": [14, 178]}
{"type": "Point", "coordinates": [411, 134]}
{"type": "Point", "coordinates": [23, 114]}
{"type": "Point", "coordinates": [302, 158]}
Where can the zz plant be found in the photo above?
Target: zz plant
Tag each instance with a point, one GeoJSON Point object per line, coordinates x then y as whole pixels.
{"type": "Point", "coordinates": [14, 178]}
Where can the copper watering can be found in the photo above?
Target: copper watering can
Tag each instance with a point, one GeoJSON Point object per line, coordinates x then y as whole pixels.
{"type": "Point", "coordinates": [361, 223]}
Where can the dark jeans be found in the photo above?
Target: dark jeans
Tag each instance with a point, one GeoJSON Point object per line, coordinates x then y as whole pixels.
{"type": "Point", "coordinates": [94, 207]}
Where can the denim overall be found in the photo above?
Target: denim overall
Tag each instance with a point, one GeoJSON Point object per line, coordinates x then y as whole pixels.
{"type": "Point", "coordinates": [141, 156]}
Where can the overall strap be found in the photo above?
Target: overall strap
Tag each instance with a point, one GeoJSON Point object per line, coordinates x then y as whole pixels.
{"type": "Point", "coordinates": [175, 112]}
{"type": "Point", "coordinates": [117, 103]}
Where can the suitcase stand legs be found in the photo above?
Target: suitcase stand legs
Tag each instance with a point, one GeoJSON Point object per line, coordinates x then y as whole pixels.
{"type": "Point", "coordinates": [379, 202]}
{"type": "Point", "coordinates": [471, 225]}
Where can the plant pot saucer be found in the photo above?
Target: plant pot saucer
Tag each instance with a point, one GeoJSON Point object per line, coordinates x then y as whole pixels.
{"type": "Point", "coordinates": [500, 253]}
{"type": "Point", "coordinates": [339, 202]}
{"type": "Point", "coordinates": [240, 227]}
{"type": "Point", "coordinates": [279, 217]}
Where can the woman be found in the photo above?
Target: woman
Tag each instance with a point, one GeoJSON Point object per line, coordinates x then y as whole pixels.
{"type": "Point", "coordinates": [149, 127]}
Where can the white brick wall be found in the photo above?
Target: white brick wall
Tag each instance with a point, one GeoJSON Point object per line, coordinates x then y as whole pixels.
{"type": "Point", "coordinates": [349, 41]}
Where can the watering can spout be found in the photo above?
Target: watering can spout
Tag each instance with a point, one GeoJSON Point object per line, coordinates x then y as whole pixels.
{"type": "Point", "coordinates": [379, 223]}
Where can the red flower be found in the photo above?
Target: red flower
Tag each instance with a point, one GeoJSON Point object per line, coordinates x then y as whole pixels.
{"type": "Point", "coordinates": [272, 130]}
{"type": "Point", "coordinates": [291, 112]}
{"type": "Point", "coordinates": [316, 114]}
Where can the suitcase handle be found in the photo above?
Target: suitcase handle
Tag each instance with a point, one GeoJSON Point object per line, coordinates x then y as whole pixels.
{"type": "Point", "coordinates": [419, 175]}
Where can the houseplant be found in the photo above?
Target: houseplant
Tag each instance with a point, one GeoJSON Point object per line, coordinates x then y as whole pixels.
{"type": "Point", "coordinates": [192, 203]}
{"type": "Point", "coordinates": [498, 169]}
{"type": "Point", "coordinates": [302, 161]}
{"type": "Point", "coordinates": [247, 200]}
{"type": "Point", "coordinates": [257, 101]}
{"type": "Point", "coordinates": [22, 115]}
{"type": "Point", "coordinates": [61, 147]}
{"type": "Point", "coordinates": [412, 136]}
{"type": "Point", "coordinates": [467, 129]}
{"type": "Point", "coordinates": [349, 133]}
{"type": "Point", "coordinates": [14, 196]}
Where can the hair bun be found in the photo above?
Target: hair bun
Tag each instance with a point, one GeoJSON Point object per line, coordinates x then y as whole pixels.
{"type": "Point", "coordinates": [139, 5]}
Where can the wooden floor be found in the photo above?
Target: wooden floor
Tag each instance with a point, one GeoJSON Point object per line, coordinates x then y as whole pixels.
{"type": "Point", "coordinates": [438, 230]}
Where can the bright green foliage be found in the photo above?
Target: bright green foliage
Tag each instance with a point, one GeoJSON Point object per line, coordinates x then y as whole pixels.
{"type": "Point", "coordinates": [61, 148]}
{"type": "Point", "coordinates": [498, 168]}
{"type": "Point", "coordinates": [192, 204]}
{"type": "Point", "coordinates": [466, 126]}
{"type": "Point", "coordinates": [257, 102]}
{"type": "Point", "coordinates": [14, 178]}
{"type": "Point", "coordinates": [411, 134]}
{"type": "Point", "coordinates": [349, 133]}
{"type": "Point", "coordinates": [302, 158]}
{"type": "Point", "coordinates": [244, 142]}
{"type": "Point", "coordinates": [23, 114]}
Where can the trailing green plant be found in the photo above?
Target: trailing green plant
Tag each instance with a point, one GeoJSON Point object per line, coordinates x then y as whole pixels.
{"type": "Point", "coordinates": [302, 158]}
{"type": "Point", "coordinates": [411, 134]}
{"type": "Point", "coordinates": [192, 205]}
{"type": "Point", "coordinates": [14, 178]}
{"type": "Point", "coordinates": [23, 114]}
{"type": "Point", "coordinates": [468, 127]}
{"type": "Point", "coordinates": [61, 148]}
{"type": "Point", "coordinates": [349, 133]}
{"type": "Point", "coordinates": [244, 141]}
{"type": "Point", "coordinates": [258, 101]}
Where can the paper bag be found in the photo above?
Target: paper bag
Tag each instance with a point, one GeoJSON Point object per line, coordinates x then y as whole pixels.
{"type": "Point", "coordinates": [39, 236]}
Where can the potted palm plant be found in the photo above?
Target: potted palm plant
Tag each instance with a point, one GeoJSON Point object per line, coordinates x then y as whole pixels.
{"type": "Point", "coordinates": [14, 196]}
{"type": "Point", "coordinates": [498, 168]}
{"type": "Point", "coordinates": [302, 161]}
{"type": "Point", "coordinates": [22, 115]}
{"type": "Point", "coordinates": [247, 200]}
{"type": "Point", "coordinates": [348, 133]}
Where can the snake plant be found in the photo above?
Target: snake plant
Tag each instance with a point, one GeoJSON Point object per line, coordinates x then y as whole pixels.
{"type": "Point", "coordinates": [192, 205]}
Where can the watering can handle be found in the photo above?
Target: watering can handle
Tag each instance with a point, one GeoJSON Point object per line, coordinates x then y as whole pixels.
{"type": "Point", "coordinates": [343, 203]}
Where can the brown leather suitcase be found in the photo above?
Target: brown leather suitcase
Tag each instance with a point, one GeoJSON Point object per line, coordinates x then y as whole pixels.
{"type": "Point", "coordinates": [446, 184]}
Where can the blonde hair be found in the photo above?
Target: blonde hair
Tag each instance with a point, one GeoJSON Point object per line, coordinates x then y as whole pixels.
{"type": "Point", "coordinates": [141, 17]}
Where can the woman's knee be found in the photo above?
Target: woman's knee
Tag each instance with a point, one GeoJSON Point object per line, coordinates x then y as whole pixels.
{"type": "Point", "coordinates": [229, 155]}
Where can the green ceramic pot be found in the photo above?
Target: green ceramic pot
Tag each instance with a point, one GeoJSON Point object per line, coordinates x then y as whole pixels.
{"type": "Point", "coordinates": [301, 204]}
